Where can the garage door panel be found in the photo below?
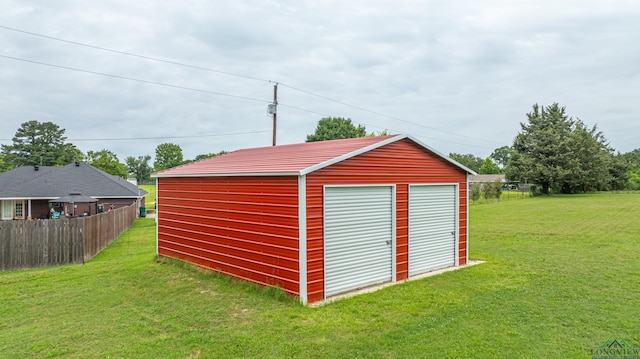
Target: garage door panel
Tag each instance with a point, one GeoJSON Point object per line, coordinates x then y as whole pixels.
{"type": "Point", "coordinates": [358, 232]}
{"type": "Point", "coordinates": [433, 226]}
{"type": "Point", "coordinates": [361, 232]}
{"type": "Point", "coordinates": [432, 216]}
{"type": "Point", "coordinates": [368, 270]}
{"type": "Point", "coordinates": [354, 259]}
{"type": "Point", "coordinates": [353, 225]}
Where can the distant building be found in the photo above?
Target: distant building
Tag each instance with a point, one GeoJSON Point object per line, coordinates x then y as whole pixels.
{"type": "Point", "coordinates": [486, 178]}
{"type": "Point", "coordinates": [77, 189]}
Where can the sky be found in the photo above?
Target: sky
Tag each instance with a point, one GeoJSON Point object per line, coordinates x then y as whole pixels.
{"type": "Point", "coordinates": [460, 76]}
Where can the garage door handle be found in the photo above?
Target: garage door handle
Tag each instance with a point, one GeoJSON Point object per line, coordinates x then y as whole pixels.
{"type": "Point", "coordinates": [389, 243]}
{"type": "Point", "coordinates": [453, 233]}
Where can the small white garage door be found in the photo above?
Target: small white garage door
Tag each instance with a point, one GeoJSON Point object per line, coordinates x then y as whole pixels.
{"type": "Point", "coordinates": [358, 237]}
{"type": "Point", "coordinates": [432, 227]}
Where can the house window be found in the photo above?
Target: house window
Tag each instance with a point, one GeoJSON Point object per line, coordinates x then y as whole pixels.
{"type": "Point", "coordinates": [19, 210]}
{"type": "Point", "coordinates": [7, 210]}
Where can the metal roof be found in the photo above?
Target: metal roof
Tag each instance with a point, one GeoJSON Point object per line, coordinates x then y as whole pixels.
{"type": "Point", "coordinates": [295, 159]}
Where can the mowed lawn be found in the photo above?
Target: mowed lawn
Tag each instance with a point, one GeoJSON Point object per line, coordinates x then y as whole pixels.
{"type": "Point", "coordinates": [562, 277]}
{"type": "Point", "coordinates": [150, 198]}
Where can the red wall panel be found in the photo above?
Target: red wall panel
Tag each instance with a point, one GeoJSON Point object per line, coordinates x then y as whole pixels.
{"type": "Point", "coordinates": [242, 226]}
{"type": "Point", "coordinates": [400, 163]}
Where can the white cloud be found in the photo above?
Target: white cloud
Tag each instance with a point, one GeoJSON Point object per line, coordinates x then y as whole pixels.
{"type": "Point", "coordinates": [469, 69]}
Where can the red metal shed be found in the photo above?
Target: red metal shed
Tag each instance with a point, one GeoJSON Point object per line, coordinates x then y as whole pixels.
{"type": "Point", "coordinates": [318, 219]}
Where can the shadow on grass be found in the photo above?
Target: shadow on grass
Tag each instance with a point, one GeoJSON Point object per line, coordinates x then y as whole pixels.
{"type": "Point", "coordinates": [272, 292]}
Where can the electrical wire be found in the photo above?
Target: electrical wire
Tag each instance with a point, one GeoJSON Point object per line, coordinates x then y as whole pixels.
{"type": "Point", "coordinates": [157, 138]}
{"type": "Point", "coordinates": [224, 73]}
{"type": "Point", "coordinates": [166, 137]}
{"type": "Point", "coordinates": [384, 128]}
{"type": "Point", "coordinates": [135, 79]}
{"type": "Point", "coordinates": [134, 55]}
{"type": "Point", "coordinates": [381, 114]}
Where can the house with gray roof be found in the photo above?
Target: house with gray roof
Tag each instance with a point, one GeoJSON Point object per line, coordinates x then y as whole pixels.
{"type": "Point", "coordinates": [37, 192]}
{"type": "Point", "coordinates": [476, 179]}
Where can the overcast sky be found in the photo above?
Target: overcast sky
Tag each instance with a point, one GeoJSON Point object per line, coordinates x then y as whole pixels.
{"type": "Point", "coordinates": [458, 75]}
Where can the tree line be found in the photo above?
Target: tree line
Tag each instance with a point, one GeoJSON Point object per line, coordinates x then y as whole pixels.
{"type": "Point", "coordinates": [553, 151]}
{"type": "Point", "coordinates": [559, 154]}
{"type": "Point", "coordinates": [44, 144]}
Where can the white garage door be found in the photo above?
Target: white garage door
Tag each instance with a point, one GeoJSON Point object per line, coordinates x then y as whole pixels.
{"type": "Point", "coordinates": [358, 237]}
{"type": "Point", "coordinates": [432, 228]}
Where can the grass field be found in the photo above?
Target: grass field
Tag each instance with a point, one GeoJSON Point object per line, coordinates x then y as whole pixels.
{"type": "Point", "coordinates": [150, 198]}
{"type": "Point", "coordinates": [562, 276]}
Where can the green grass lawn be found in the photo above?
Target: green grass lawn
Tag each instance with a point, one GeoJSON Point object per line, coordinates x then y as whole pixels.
{"type": "Point", "coordinates": [562, 276]}
{"type": "Point", "coordinates": [150, 198]}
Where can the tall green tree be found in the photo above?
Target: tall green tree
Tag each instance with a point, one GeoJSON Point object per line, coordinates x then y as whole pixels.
{"type": "Point", "coordinates": [205, 156]}
{"type": "Point", "coordinates": [501, 155]}
{"type": "Point", "coordinates": [468, 160]}
{"type": "Point", "coordinates": [108, 162]}
{"type": "Point", "coordinates": [620, 173]}
{"type": "Point", "coordinates": [554, 151]}
{"type": "Point", "coordinates": [40, 143]}
{"type": "Point", "coordinates": [632, 158]}
{"type": "Point", "coordinates": [168, 155]}
{"type": "Point", "coordinates": [542, 148]}
{"type": "Point", "coordinates": [335, 128]}
{"type": "Point", "coordinates": [208, 155]}
{"type": "Point", "coordinates": [3, 165]}
{"type": "Point", "coordinates": [590, 162]}
{"type": "Point", "coordinates": [139, 168]}
{"type": "Point", "coordinates": [632, 162]}
{"type": "Point", "coordinates": [489, 168]}
{"type": "Point", "coordinates": [380, 133]}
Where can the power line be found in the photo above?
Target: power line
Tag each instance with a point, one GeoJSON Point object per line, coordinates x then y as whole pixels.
{"type": "Point", "coordinates": [157, 138]}
{"type": "Point", "coordinates": [134, 55]}
{"type": "Point", "coordinates": [167, 137]}
{"type": "Point", "coordinates": [162, 84]}
{"type": "Point", "coordinates": [384, 128]}
{"type": "Point", "coordinates": [225, 73]}
{"type": "Point", "coordinates": [134, 79]}
{"type": "Point", "coordinates": [380, 114]}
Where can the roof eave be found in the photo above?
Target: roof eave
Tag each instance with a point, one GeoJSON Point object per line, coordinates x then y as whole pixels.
{"type": "Point", "coordinates": [112, 197]}
{"type": "Point", "coordinates": [9, 198]}
{"type": "Point", "coordinates": [380, 144]}
{"type": "Point", "coordinates": [323, 164]}
{"type": "Point", "coordinates": [243, 174]}
{"type": "Point", "coordinates": [351, 154]}
{"type": "Point", "coordinates": [468, 170]}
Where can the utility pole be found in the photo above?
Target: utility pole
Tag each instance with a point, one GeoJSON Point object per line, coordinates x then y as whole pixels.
{"type": "Point", "coordinates": [274, 111]}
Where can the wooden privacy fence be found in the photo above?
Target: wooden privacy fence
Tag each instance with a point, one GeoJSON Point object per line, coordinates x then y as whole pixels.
{"type": "Point", "coordinates": [51, 242]}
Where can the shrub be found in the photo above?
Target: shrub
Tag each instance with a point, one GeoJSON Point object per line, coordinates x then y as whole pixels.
{"type": "Point", "coordinates": [474, 192]}
{"type": "Point", "coordinates": [497, 189]}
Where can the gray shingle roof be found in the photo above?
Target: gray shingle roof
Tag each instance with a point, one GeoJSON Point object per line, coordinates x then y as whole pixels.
{"type": "Point", "coordinates": [53, 182]}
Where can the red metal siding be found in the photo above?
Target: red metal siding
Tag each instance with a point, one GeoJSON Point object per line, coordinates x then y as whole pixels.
{"type": "Point", "coordinates": [242, 226]}
{"type": "Point", "coordinates": [463, 215]}
{"type": "Point", "coordinates": [402, 231]}
{"type": "Point", "coordinates": [401, 163]}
